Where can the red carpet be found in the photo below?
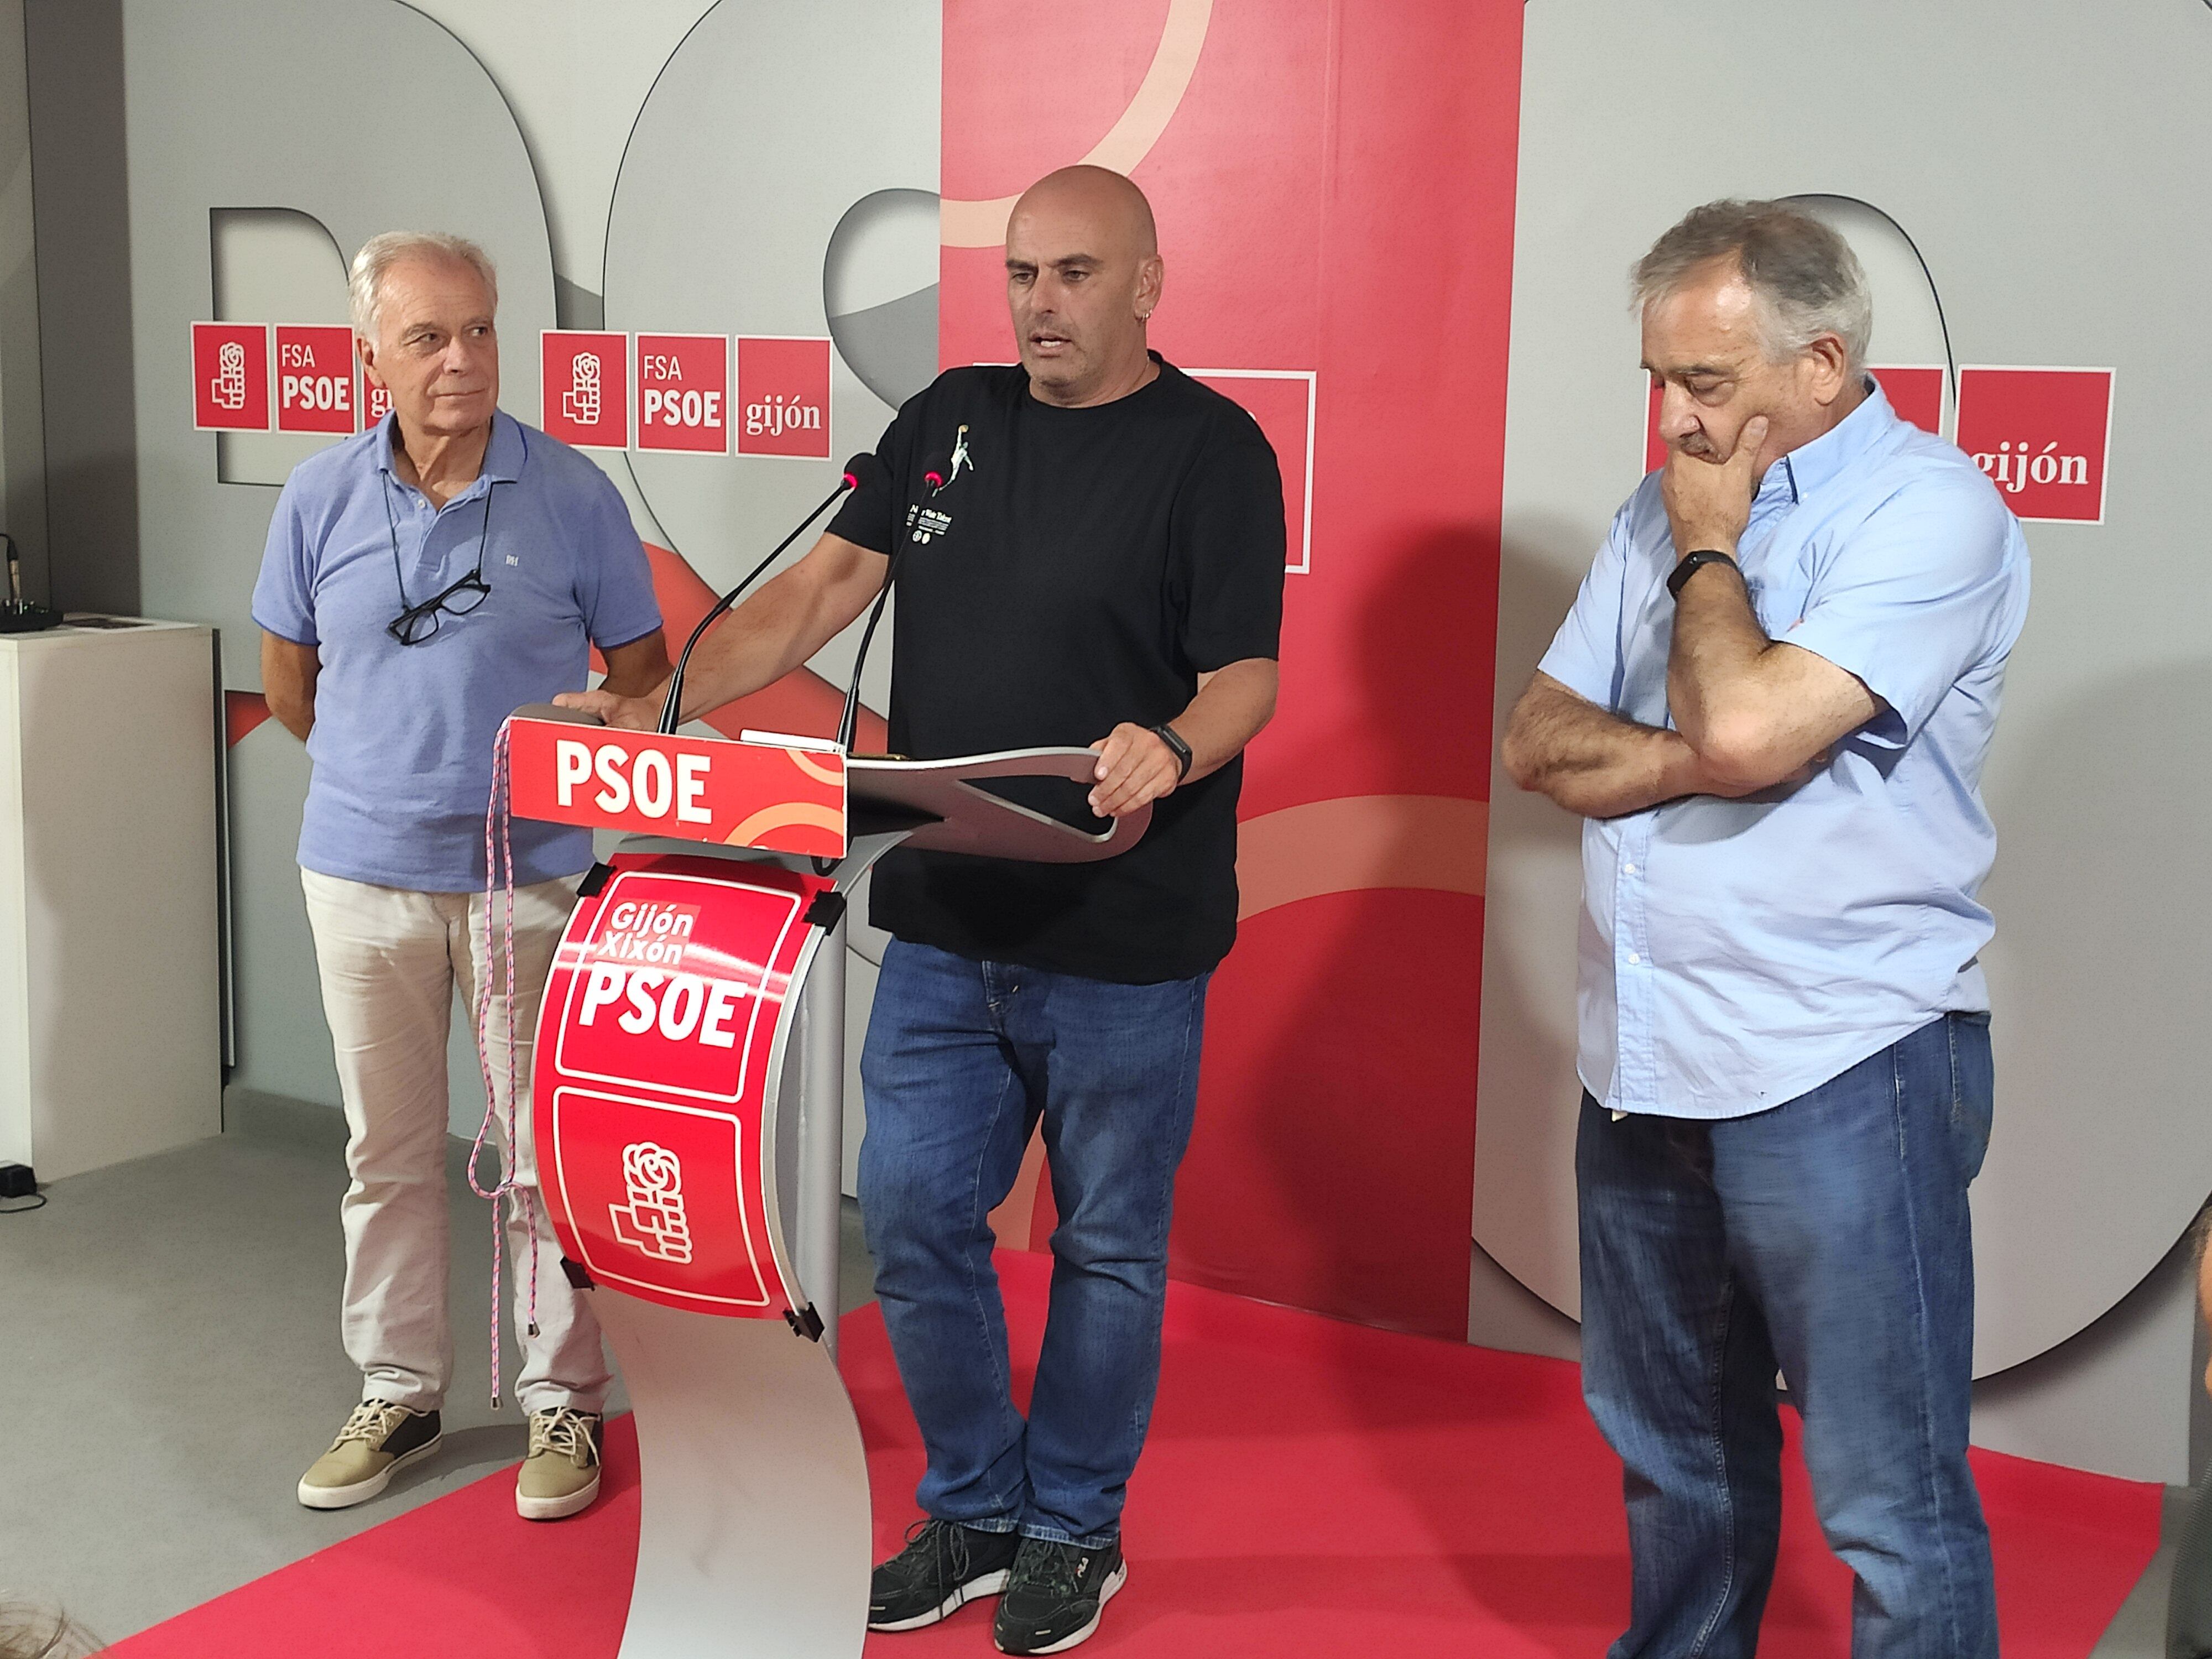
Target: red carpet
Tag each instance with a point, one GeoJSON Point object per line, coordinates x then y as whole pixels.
{"type": "Point", "coordinates": [1311, 1488]}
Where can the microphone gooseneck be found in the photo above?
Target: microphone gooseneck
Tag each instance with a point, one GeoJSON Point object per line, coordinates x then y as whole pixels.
{"type": "Point", "coordinates": [855, 470]}
{"type": "Point", "coordinates": [848, 723]}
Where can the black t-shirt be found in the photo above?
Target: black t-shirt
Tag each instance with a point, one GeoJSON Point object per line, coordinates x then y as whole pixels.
{"type": "Point", "coordinates": [1076, 569]}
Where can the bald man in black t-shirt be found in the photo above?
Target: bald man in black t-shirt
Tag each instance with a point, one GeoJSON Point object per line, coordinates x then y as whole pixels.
{"type": "Point", "coordinates": [1094, 556]}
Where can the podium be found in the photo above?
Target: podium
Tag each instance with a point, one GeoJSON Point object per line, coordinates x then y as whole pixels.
{"type": "Point", "coordinates": [688, 1099]}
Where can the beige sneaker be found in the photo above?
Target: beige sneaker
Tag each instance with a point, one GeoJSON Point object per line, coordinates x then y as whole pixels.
{"type": "Point", "coordinates": [559, 1475]}
{"type": "Point", "coordinates": [377, 1440]}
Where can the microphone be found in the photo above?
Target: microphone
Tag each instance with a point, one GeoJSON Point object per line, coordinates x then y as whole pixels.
{"type": "Point", "coordinates": [862, 468]}
{"type": "Point", "coordinates": [17, 615]}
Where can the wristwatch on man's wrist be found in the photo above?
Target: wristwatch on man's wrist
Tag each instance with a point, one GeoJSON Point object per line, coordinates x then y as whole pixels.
{"type": "Point", "coordinates": [1168, 735]}
{"type": "Point", "coordinates": [1693, 562]}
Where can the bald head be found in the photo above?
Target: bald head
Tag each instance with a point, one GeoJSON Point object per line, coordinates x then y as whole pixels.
{"type": "Point", "coordinates": [1083, 275]}
{"type": "Point", "coordinates": [1110, 206]}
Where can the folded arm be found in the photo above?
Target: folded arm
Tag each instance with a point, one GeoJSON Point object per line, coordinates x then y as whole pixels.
{"type": "Point", "coordinates": [1756, 711]}
{"type": "Point", "coordinates": [1591, 762]}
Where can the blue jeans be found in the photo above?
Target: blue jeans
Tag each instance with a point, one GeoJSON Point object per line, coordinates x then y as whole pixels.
{"type": "Point", "coordinates": [1828, 1237]}
{"type": "Point", "coordinates": [963, 1058]}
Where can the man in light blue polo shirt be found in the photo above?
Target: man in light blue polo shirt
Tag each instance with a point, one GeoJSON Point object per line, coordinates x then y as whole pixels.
{"type": "Point", "coordinates": [1772, 703]}
{"type": "Point", "coordinates": [422, 582]}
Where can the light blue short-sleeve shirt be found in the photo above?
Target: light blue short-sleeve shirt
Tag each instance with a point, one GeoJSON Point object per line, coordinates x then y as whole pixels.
{"type": "Point", "coordinates": [402, 742]}
{"type": "Point", "coordinates": [1735, 954]}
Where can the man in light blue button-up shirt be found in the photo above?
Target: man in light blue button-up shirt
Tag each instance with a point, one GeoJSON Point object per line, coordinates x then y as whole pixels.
{"type": "Point", "coordinates": [1771, 703]}
{"type": "Point", "coordinates": [421, 580]}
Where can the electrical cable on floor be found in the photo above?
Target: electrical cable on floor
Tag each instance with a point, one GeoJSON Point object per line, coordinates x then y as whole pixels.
{"type": "Point", "coordinates": [16, 1206]}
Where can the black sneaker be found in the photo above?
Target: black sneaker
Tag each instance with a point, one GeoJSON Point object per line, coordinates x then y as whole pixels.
{"type": "Point", "coordinates": [943, 1565]}
{"type": "Point", "coordinates": [1053, 1600]}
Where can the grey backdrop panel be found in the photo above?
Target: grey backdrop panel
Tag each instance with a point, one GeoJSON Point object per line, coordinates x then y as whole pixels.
{"type": "Point", "coordinates": [2047, 170]}
{"type": "Point", "coordinates": [240, 114]}
{"type": "Point", "coordinates": [761, 137]}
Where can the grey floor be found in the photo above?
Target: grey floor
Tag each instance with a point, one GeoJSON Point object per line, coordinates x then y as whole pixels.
{"type": "Point", "coordinates": [169, 1363]}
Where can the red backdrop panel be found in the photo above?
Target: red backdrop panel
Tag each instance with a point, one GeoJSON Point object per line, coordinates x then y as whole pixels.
{"type": "Point", "coordinates": [1334, 192]}
{"type": "Point", "coordinates": [1332, 1158]}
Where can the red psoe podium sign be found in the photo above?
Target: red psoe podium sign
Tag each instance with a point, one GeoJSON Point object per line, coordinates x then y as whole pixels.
{"type": "Point", "coordinates": [658, 1051]}
{"type": "Point", "coordinates": [779, 799]}
{"type": "Point", "coordinates": [661, 1035]}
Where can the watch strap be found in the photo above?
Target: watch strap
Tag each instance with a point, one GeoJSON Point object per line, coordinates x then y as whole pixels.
{"type": "Point", "coordinates": [1693, 562]}
{"type": "Point", "coordinates": [1168, 735]}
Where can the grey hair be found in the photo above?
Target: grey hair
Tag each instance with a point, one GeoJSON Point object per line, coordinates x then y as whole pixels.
{"type": "Point", "coordinates": [30, 1630]}
{"type": "Point", "coordinates": [365, 285]}
{"type": "Point", "coordinates": [1808, 281]}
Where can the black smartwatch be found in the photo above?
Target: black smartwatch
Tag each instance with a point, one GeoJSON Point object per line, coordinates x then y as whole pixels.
{"type": "Point", "coordinates": [1693, 562]}
{"type": "Point", "coordinates": [1168, 735]}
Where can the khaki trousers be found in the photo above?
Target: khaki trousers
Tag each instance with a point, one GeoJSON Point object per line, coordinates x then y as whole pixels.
{"type": "Point", "coordinates": [391, 961]}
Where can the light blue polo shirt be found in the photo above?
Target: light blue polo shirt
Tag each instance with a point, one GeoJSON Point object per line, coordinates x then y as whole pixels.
{"type": "Point", "coordinates": [1737, 954]}
{"type": "Point", "coordinates": [402, 742]}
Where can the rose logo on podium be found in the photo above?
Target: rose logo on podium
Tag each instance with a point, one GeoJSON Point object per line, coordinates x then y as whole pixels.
{"type": "Point", "coordinates": [656, 1223]}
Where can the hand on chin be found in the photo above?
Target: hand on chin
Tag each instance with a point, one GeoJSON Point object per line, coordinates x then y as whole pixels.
{"type": "Point", "coordinates": [1709, 501]}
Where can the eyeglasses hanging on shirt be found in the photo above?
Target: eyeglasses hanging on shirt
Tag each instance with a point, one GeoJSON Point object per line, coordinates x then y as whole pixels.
{"type": "Point", "coordinates": [415, 624]}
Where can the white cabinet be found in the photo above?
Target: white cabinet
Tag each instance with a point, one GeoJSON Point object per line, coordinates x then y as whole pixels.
{"type": "Point", "coordinates": [110, 943]}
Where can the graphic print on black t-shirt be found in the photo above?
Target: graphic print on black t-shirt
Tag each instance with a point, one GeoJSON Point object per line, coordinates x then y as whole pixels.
{"type": "Point", "coordinates": [1067, 570]}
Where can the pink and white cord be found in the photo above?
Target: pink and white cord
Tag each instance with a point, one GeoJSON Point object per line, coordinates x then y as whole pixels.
{"type": "Point", "coordinates": [499, 880]}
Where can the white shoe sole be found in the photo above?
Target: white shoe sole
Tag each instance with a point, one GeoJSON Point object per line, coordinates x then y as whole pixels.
{"type": "Point", "coordinates": [344, 1498]}
{"type": "Point", "coordinates": [556, 1509]}
{"type": "Point", "coordinates": [1107, 1592]}
{"type": "Point", "coordinates": [990, 1583]}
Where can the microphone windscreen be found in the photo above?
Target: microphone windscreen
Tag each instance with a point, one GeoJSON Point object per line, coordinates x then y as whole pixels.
{"type": "Point", "coordinates": [863, 469]}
